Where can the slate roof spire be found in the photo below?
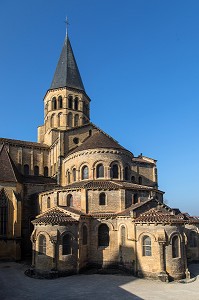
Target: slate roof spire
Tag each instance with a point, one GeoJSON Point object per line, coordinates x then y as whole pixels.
{"type": "Point", "coordinates": [67, 72]}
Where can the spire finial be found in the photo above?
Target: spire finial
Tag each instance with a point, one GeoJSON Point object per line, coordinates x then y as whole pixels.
{"type": "Point", "coordinates": [67, 23]}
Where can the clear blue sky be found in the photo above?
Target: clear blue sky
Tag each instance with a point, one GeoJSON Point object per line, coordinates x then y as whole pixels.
{"type": "Point", "coordinates": [139, 61]}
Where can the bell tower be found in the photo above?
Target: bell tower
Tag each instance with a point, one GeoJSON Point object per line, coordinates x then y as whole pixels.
{"type": "Point", "coordinates": [66, 104]}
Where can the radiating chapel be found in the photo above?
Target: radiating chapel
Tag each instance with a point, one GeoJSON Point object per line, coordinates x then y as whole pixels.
{"type": "Point", "coordinates": [76, 198]}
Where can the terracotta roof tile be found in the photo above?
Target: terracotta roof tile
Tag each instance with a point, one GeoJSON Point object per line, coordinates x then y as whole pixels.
{"type": "Point", "coordinates": [106, 184]}
{"type": "Point", "coordinates": [72, 210]}
{"type": "Point", "coordinates": [54, 217]}
{"type": "Point", "coordinates": [107, 215]}
{"type": "Point", "coordinates": [156, 215]}
{"type": "Point", "coordinates": [127, 211]}
{"type": "Point", "coordinates": [191, 219]}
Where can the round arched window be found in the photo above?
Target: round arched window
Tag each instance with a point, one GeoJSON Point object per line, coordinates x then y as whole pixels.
{"type": "Point", "coordinates": [85, 172]}
{"type": "Point", "coordinates": [100, 171]}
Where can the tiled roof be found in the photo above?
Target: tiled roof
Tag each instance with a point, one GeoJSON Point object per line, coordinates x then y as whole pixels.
{"type": "Point", "coordinates": [191, 219]}
{"type": "Point", "coordinates": [54, 217]}
{"type": "Point", "coordinates": [23, 143]}
{"type": "Point", "coordinates": [72, 210]}
{"type": "Point", "coordinates": [131, 208]}
{"type": "Point", "coordinates": [156, 215]}
{"type": "Point", "coordinates": [106, 215]}
{"type": "Point", "coordinates": [8, 170]}
{"type": "Point", "coordinates": [91, 184]}
{"type": "Point", "coordinates": [98, 140]}
{"type": "Point", "coordinates": [130, 185]}
{"type": "Point", "coordinates": [106, 185]}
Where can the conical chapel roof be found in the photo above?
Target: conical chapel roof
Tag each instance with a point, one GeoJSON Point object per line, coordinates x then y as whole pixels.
{"type": "Point", "coordinates": [67, 72]}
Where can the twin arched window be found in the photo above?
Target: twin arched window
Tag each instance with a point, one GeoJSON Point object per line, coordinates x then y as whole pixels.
{"type": "Point", "coordinates": [103, 235]}
{"type": "Point", "coordinates": [175, 247]}
{"type": "Point", "coordinates": [100, 171]}
{"type": "Point", "coordinates": [102, 199]}
{"type": "Point", "coordinates": [57, 104]}
{"type": "Point", "coordinates": [3, 214]}
{"type": "Point", "coordinates": [42, 244]}
{"type": "Point", "coordinates": [146, 246]}
{"type": "Point", "coordinates": [70, 103]}
{"type": "Point", "coordinates": [85, 172]}
{"type": "Point", "coordinates": [67, 244]}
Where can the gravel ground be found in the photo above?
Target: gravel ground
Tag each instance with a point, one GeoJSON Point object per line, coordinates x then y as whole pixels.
{"type": "Point", "coordinates": [15, 285]}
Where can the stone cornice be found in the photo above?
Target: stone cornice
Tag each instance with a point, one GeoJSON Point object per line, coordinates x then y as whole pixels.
{"type": "Point", "coordinates": [94, 151]}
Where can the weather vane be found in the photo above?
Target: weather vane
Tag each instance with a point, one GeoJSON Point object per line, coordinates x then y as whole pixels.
{"type": "Point", "coordinates": [67, 24]}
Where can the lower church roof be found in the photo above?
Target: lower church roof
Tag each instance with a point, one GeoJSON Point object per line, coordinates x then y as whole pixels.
{"type": "Point", "coordinates": [54, 216]}
{"type": "Point", "coordinates": [106, 184]}
{"type": "Point", "coordinates": [156, 215]}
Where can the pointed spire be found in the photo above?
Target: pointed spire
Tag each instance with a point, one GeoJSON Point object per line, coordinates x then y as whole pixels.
{"type": "Point", "coordinates": [67, 73]}
{"type": "Point", "coordinates": [67, 24]}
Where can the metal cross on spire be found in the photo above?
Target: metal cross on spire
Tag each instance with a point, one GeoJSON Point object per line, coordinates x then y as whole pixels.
{"type": "Point", "coordinates": [67, 24]}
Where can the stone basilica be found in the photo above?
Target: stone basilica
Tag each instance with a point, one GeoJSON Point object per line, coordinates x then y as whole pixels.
{"type": "Point", "coordinates": [77, 198]}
